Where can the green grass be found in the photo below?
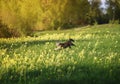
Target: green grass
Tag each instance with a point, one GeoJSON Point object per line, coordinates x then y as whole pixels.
{"type": "Point", "coordinates": [32, 60]}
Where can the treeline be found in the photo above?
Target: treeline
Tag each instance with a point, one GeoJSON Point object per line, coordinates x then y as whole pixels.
{"type": "Point", "coordinates": [21, 17]}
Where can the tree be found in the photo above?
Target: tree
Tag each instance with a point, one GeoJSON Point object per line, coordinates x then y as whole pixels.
{"type": "Point", "coordinates": [95, 13]}
{"type": "Point", "coordinates": [113, 10]}
{"type": "Point", "coordinates": [25, 16]}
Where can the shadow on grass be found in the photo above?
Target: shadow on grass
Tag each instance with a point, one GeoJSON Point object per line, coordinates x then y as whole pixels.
{"type": "Point", "coordinates": [80, 75]}
{"type": "Point", "coordinates": [10, 47]}
{"type": "Point", "coordinates": [16, 45]}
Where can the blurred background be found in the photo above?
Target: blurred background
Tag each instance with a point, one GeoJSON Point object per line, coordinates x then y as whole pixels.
{"type": "Point", "coordinates": [22, 17]}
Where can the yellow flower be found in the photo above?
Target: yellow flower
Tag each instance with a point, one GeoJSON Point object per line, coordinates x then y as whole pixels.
{"type": "Point", "coordinates": [95, 58]}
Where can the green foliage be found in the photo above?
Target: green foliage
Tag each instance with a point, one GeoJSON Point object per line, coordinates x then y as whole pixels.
{"type": "Point", "coordinates": [28, 15]}
{"type": "Point", "coordinates": [113, 10]}
{"type": "Point", "coordinates": [114, 22]}
{"type": "Point", "coordinates": [32, 60]}
{"type": "Point", "coordinates": [7, 32]}
{"type": "Point", "coordinates": [22, 17]}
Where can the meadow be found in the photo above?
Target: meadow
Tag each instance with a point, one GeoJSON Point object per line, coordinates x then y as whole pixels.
{"type": "Point", "coordinates": [32, 60]}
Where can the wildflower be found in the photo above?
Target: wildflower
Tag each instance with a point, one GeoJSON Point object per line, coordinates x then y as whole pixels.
{"type": "Point", "coordinates": [95, 58]}
{"type": "Point", "coordinates": [116, 42]}
{"type": "Point", "coordinates": [108, 31]}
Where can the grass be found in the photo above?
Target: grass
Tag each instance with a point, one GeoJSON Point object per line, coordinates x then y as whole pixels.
{"type": "Point", "coordinates": [32, 60]}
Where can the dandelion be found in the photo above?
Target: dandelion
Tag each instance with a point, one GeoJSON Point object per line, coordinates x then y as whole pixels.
{"type": "Point", "coordinates": [12, 62]}
{"type": "Point", "coordinates": [25, 59]}
{"type": "Point", "coordinates": [96, 43]}
{"type": "Point", "coordinates": [108, 31]}
{"type": "Point", "coordinates": [88, 36]}
{"type": "Point", "coordinates": [47, 43]}
{"type": "Point", "coordinates": [116, 42]}
{"type": "Point", "coordinates": [75, 62]}
{"type": "Point", "coordinates": [2, 52]}
{"type": "Point", "coordinates": [81, 54]}
{"type": "Point", "coordinates": [95, 58]}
